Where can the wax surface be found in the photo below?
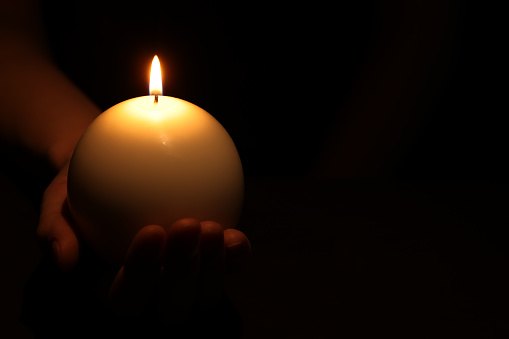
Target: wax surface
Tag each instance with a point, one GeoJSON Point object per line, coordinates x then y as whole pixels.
{"type": "Point", "coordinates": [142, 163]}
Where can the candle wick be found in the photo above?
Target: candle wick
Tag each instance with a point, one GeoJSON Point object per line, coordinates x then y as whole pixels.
{"type": "Point", "coordinates": [156, 99]}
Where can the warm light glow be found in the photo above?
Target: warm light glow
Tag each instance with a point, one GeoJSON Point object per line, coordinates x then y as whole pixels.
{"type": "Point", "coordinates": [156, 83]}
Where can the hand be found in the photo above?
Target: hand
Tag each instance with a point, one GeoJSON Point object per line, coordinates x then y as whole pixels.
{"type": "Point", "coordinates": [55, 227]}
{"type": "Point", "coordinates": [186, 262]}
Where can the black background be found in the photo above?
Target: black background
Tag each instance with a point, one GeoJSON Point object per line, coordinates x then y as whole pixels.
{"type": "Point", "coordinates": [277, 75]}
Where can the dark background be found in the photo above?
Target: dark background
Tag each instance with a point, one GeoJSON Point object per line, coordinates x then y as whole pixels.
{"type": "Point", "coordinates": [417, 251]}
{"type": "Point", "coordinates": [274, 74]}
{"type": "Point", "coordinates": [278, 75]}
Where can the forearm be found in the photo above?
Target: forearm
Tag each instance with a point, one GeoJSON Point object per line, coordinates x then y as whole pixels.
{"type": "Point", "coordinates": [39, 107]}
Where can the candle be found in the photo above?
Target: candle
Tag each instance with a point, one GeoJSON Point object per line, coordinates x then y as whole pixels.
{"type": "Point", "coordinates": [151, 160]}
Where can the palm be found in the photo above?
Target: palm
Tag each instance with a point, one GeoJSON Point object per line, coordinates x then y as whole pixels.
{"type": "Point", "coordinates": [187, 261]}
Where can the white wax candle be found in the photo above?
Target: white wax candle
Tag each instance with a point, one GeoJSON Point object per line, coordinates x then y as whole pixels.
{"type": "Point", "coordinates": [142, 163]}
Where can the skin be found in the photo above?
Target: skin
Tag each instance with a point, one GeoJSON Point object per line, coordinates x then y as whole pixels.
{"type": "Point", "coordinates": [190, 257]}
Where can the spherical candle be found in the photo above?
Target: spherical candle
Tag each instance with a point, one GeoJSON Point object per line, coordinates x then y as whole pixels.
{"type": "Point", "coordinates": [146, 161]}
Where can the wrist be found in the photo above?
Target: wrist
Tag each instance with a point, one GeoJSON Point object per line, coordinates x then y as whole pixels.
{"type": "Point", "coordinates": [61, 148]}
{"type": "Point", "coordinates": [60, 154]}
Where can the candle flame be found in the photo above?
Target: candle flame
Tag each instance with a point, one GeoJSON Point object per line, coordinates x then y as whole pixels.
{"type": "Point", "coordinates": [156, 83]}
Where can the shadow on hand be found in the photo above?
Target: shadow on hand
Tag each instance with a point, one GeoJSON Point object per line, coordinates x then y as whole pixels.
{"type": "Point", "coordinates": [72, 305]}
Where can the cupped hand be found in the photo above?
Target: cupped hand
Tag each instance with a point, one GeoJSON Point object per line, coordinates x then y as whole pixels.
{"type": "Point", "coordinates": [54, 229]}
{"type": "Point", "coordinates": [184, 263]}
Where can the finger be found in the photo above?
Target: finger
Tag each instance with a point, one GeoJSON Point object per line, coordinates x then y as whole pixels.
{"type": "Point", "coordinates": [181, 264]}
{"type": "Point", "coordinates": [237, 250]}
{"type": "Point", "coordinates": [136, 280]}
{"type": "Point", "coordinates": [211, 275]}
{"type": "Point", "coordinates": [54, 227]}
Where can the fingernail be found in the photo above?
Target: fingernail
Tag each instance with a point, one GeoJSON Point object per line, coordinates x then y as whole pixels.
{"type": "Point", "coordinates": [237, 255]}
{"type": "Point", "coordinates": [235, 247]}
